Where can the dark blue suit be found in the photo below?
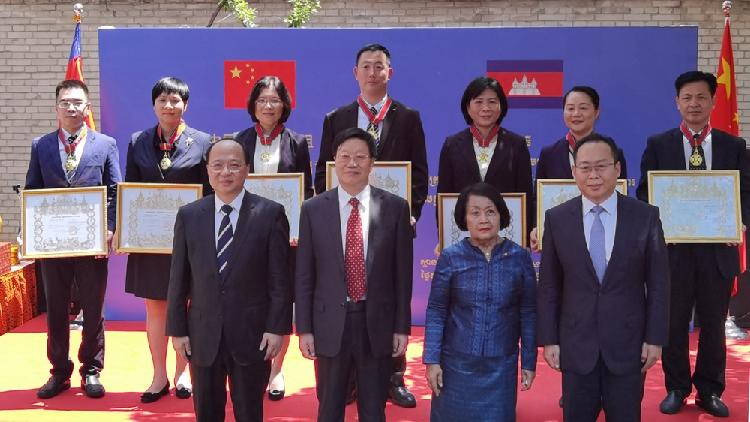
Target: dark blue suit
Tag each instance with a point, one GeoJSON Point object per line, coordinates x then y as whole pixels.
{"type": "Point", "coordinates": [554, 162]}
{"type": "Point", "coordinates": [99, 166]}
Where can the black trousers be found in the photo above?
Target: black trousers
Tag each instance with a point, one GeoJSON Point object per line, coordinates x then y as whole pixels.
{"type": "Point", "coordinates": [696, 281]}
{"type": "Point", "coordinates": [247, 385]}
{"type": "Point", "coordinates": [373, 374]}
{"type": "Point", "coordinates": [586, 395]}
{"type": "Point", "coordinates": [90, 274]}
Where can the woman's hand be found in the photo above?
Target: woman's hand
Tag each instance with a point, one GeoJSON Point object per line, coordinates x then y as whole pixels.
{"type": "Point", "coordinates": [527, 378]}
{"type": "Point", "coordinates": [435, 378]}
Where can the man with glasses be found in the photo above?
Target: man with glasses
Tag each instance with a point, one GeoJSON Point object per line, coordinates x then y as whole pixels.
{"type": "Point", "coordinates": [602, 299]}
{"type": "Point", "coordinates": [70, 157]}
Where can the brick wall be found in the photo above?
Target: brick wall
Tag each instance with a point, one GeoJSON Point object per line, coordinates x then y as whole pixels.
{"type": "Point", "coordinates": [35, 40]}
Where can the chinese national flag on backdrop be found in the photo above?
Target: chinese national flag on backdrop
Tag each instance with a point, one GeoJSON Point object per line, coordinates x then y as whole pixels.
{"type": "Point", "coordinates": [241, 75]}
{"type": "Point", "coordinates": [75, 66]}
{"type": "Point", "coordinates": [725, 116]}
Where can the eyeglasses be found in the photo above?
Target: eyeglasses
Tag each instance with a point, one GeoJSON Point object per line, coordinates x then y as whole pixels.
{"type": "Point", "coordinates": [346, 158]}
{"type": "Point", "coordinates": [233, 168]}
{"type": "Point", "coordinates": [66, 104]}
{"type": "Point", "coordinates": [599, 168]}
{"type": "Point", "coordinates": [273, 102]}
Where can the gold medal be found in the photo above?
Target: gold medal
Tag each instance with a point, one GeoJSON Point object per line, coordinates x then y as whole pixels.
{"type": "Point", "coordinates": [265, 157]}
{"type": "Point", "coordinates": [483, 157]}
{"type": "Point", "coordinates": [165, 163]}
{"type": "Point", "coordinates": [696, 160]}
{"type": "Point", "coordinates": [70, 163]}
{"type": "Point", "coordinates": [373, 130]}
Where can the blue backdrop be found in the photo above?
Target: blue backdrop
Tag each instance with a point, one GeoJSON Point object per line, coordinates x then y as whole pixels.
{"type": "Point", "coordinates": [632, 68]}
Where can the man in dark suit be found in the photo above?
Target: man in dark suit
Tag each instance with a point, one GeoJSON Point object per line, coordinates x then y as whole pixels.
{"type": "Point", "coordinates": [229, 301]}
{"type": "Point", "coordinates": [701, 274]}
{"type": "Point", "coordinates": [353, 282]}
{"type": "Point", "coordinates": [398, 134]}
{"type": "Point", "coordinates": [75, 156]}
{"type": "Point", "coordinates": [602, 315]}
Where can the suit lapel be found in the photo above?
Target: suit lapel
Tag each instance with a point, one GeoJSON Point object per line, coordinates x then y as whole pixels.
{"type": "Point", "coordinates": [578, 238]}
{"type": "Point", "coordinates": [52, 150]}
{"type": "Point", "coordinates": [240, 232]}
{"type": "Point", "coordinates": [502, 150]}
{"type": "Point", "coordinates": [376, 200]}
{"type": "Point", "coordinates": [182, 147]}
{"type": "Point", "coordinates": [286, 160]}
{"type": "Point", "coordinates": [252, 139]}
{"type": "Point", "coordinates": [622, 238]}
{"type": "Point", "coordinates": [332, 196]}
{"type": "Point", "coordinates": [564, 158]}
{"type": "Point", "coordinates": [677, 150]}
{"type": "Point", "coordinates": [466, 147]}
{"type": "Point", "coordinates": [390, 117]}
{"type": "Point", "coordinates": [208, 232]}
{"type": "Point", "coordinates": [86, 155]}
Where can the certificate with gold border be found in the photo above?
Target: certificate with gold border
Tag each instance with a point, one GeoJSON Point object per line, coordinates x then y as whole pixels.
{"type": "Point", "coordinates": [146, 213]}
{"type": "Point", "coordinates": [64, 222]}
{"type": "Point", "coordinates": [553, 192]}
{"type": "Point", "coordinates": [697, 206]}
{"type": "Point", "coordinates": [285, 188]}
{"type": "Point", "coordinates": [449, 233]}
{"type": "Point", "coordinates": [391, 176]}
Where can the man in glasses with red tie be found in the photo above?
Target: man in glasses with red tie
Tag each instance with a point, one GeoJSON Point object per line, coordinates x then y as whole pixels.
{"type": "Point", "coordinates": [701, 274]}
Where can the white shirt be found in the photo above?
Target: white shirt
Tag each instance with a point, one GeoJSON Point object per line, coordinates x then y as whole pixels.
{"type": "Point", "coordinates": [609, 220]}
{"type": "Point", "coordinates": [79, 148]}
{"type": "Point", "coordinates": [688, 149]}
{"type": "Point", "coordinates": [274, 153]}
{"type": "Point", "coordinates": [345, 209]}
{"type": "Point", "coordinates": [236, 204]}
{"type": "Point", "coordinates": [363, 121]}
{"type": "Point", "coordinates": [489, 152]}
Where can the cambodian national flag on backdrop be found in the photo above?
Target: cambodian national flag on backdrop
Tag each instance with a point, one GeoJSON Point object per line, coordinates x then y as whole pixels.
{"type": "Point", "coordinates": [241, 75]}
{"type": "Point", "coordinates": [75, 68]}
{"type": "Point", "coordinates": [529, 83]}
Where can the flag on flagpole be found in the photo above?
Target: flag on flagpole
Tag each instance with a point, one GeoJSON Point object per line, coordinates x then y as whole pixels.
{"type": "Point", "coordinates": [724, 115]}
{"type": "Point", "coordinates": [75, 63]}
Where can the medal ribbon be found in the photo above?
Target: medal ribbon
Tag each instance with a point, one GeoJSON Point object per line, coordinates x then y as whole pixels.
{"type": "Point", "coordinates": [70, 147]}
{"type": "Point", "coordinates": [274, 133]}
{"type": "Point", "coordinates": [167, 146]}
{"type": "Point", "coordinates": [697, 139]}
{"type": "Point", "coordinates": [482, 141]}
{"type": "Point", "coordinates": [375, 120]}
{"type": "Point", "coordinates": [571, 140]}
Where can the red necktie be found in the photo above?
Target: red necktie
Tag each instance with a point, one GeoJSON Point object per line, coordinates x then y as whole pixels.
{"type": "Point", "coordinates": [354, 256]}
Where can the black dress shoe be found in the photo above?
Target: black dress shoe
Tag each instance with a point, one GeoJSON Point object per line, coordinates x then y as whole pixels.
{"type": "Point", "coordinates": [712, 404]}
{"type": "Point", "coordinates": [149, 397]}
{"type": "Point", "coordinates": [92, 387]}
{"type": "Point", "coordinates": [53, 387]}
{"type": "Point", "coordinates": [182, 392]}
{"type": "Point", "coordinates": [673, 402]}
{"type": "Point", "coordinates": [400, 396]}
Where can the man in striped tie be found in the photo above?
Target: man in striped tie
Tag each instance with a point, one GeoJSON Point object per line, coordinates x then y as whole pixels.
{"type": "Point", "coordinates": [229, 300]}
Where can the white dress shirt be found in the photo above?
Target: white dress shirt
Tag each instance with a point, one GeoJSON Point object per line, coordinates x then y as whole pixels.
{"type": "Point", "coordinates": [363, 121]}
{"type": "Point", "coordinates": [609, 220]}
{"type": "Point", "coordinates": [274, 151]}
{"type": "Point", "coordinates": [78, 151]}
{"type": "Point", "coordinates": [345, 209]}
{"type": "Point", "coordinates": [236, 204]}
{"type": "Point", "coordinates": [688, 149]}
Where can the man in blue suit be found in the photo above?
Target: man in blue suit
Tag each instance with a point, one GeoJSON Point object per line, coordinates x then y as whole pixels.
{"type": "Point", "coordinates": [602, 316]}
{"type": "Point", "coordinates": [75, 156]}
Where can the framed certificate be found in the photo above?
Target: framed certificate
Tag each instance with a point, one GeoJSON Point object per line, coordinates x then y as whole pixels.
{"type": "Point", "coordinates": [449, 233]}
{"type": "Point", "coordinates": [64, 222]}
{"type": "Point", "coordinates": [553, 192]}
{"type": "Point", "coordinates": [697, 206]}
{"type": "Point", "coordinates": [285, 188]}
{"type": "Point", "coordinates": [391, 176]}
{"type": "Point", "coordinates": [146, 213]}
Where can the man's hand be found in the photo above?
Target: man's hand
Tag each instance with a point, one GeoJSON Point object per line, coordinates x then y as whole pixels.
{"type": "Point", "coordinates": [650, 354]}
{"type": "Point", "coordinates": [534, 240]}
{"type": "Point", "coordinates": [434, 376]}
{"type": "Point", "coordinates": [552, 356]}
{"type": "Point", "coordinates": [272, 343]}
{"type": "Point", "coordinates": [399, 344]}
{"type": "Point", "coordinates": [182, 347]}
{"type": "Point", "coordinates": [527, 378]}
{"type": "Point", "coordinates": [307, 345]}
{"type": "Point", "coordinates": [110, 236]}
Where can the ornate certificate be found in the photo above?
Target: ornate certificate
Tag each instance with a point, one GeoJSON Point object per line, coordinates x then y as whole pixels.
{"type": "Point", "coordinates": [697, 206]}
{"type": "Point", "coordinates": [553, 192]}
{"type": "Point", "coordinates": [64, 222]}
{"type": "Point", "coordinates": [391, 176]}
{"type": "Point", "coordinates": [285, 188]}
{"type": "Point", "coordinates": [449, 233]}
{"type": "Point", "coordinates": [146, 213]}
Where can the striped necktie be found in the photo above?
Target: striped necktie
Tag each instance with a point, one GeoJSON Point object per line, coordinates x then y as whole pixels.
{"type": "Point", "coordinates": [224, 243]}
{"type": "Point", "coordinates": [373, 127]}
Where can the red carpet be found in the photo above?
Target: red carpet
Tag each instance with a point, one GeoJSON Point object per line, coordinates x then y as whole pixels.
{"type": "Point", "coordinates": [128, 372]}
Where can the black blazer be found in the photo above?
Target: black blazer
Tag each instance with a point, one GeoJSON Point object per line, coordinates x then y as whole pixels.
{"type": "Point", "coordinates": [402, 139]}
{"type": "Point", "coordinates": [320, 283]}
{"type": "Point", "coordinates": [295, 156]}
{"type": "Point", "coordinates": [255, 298]}
{"type": "Point", "coordinates": [613, 319]}
{"type": "Point", "coordinates": [554, 162]}
{"type": "Point", "coordinates": [665, 151]}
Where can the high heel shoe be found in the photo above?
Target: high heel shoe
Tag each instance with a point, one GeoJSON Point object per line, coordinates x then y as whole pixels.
{"type": "Point", "coordinates": [276, 395]}
{"type": "Point", "coordinates": [149, 397]}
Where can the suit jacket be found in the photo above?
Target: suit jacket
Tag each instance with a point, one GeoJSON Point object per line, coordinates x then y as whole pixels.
{"type": "Point", "coordinates": [253, 297]}
{"type": "Point", "coordinates": [401, 139]}
{"type": "Point", "coordinates": [614, 318]}
{"type": "Point", "coordinates": [295, 156]}
{"type": "Point", "coordinates": [664, 151]}
{"type": "Point", "coordinates": [321, 284]}
{"type": "Point", "coordinates": [554, 162]}
{"type": "Point", "coordinates": [99, 166]}
{"type": "Point", "coordinates": [509, 170]}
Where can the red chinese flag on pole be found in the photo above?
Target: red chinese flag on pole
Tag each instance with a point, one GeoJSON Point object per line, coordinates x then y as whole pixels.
{"type": "Point", "coordinates": [724, 115]}
{"type": "Point", "coordinates": [75, 63]}
{"type": "Point", "coordinates": [241, 75]}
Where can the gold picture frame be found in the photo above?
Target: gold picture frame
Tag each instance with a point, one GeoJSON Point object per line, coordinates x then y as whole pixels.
{"type": "Point", "coordinates": [391, 176]}
{"type": "Point", "coordinates": [288, 189]}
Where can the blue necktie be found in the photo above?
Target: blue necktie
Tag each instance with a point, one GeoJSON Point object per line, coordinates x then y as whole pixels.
{"type": "Point", "coordinates": [224, 244]}
{"type": "Point", "coordinates": [597, 248]}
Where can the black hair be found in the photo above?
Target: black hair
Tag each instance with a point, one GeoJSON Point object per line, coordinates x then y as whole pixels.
{"type": "Point", "coordinates": [591, 92]}
{"type": "Point", "coordinates": [696, 76]}
{"type": "Point", "coordinates": [70, 84]}
{"type": "Point", "coordinates": [170, 85]}
{"type": "Point", "coordinates": [597, 137]}
{"type": "Point", "coordinates": [274, 82]}
{"type": "Point", "coordinates": [373, 48]}
{"type": "Point", "coordinates": [245, 154]}
{"type": "Point", "coordinates": [480, 189]}
{"type": "Point", "coordinates": [355, 133]}
{"type": "Point", "coordinates": [475, 89]}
